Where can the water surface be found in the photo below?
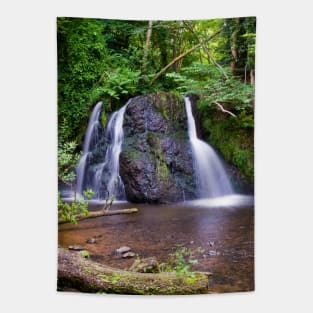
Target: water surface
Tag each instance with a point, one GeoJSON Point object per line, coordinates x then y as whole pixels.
{"type": "Point", "coordinates": [225, 233]}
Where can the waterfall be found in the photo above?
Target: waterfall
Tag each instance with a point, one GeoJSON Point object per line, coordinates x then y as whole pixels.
{"type": "Point", "coordinates": [212, 180]}
{"type": "Point", "coordinates": [103, 178]}
{"type": "Point", "coordinates": [90, 135]}
{"type": "Point", "coordinates": [115, 135]}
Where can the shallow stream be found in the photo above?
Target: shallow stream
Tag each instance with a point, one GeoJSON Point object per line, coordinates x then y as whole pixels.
{"type": "Point", "coordinates": [224, 229]}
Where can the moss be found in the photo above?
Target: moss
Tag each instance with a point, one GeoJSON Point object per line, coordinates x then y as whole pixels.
{"type": "Point", "coordinates": [180, 135]}
{"type": "Point", "coordinates": [191, 280]}
{"type": "Point", "coordinates": [133, 154]}
{"type": "Point", "coordinates": [103, 119]}
{"type": "Point", "coordinates": [85, 254]}
{"type": "Point", "coordinates": [170, 106]}
{"type": "Point", "coordinates": [161, 167]}
{"type": "Point", "coordinates": [234, 142]}
{"type": "Point", "coordinates": [113, 279]}
{"type": "Point", "coordinates": [84, 275]}
{"type": "Point", "coordinates": [129, 149]}
{"type": "Point", "coordinates": [162, 170]}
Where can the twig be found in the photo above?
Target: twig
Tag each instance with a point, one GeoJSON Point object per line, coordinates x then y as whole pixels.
{"type": "Point", "coordinates": [223, 110]}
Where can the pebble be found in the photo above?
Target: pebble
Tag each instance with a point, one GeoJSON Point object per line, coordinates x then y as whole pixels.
{"type": "Point", "coordinates": [212, 253]}
{"type": "Point", "coordinates": [122, 250]}
{"type": "Point", "coordinates": [91, 240]}
{"type": "Point", "coordinates": [76, 248]}
{"type": "Point", "coordinates": [129, 254]}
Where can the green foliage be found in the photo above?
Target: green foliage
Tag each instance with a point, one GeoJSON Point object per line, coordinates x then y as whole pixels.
{"type": "Point", "coordinates": [81, 50]}
{"type": "Point", "coordinates": [181, 260]}
{"type": "Point", "coordinates": [210, 85]}
{"type": "Point", "coordinates": [88, 193]}
{"type": "Point", "coordinates": [239, 34]}
{"type": "Point", "coordinates": [68, 212]}
{"type": "Point", "coordinates": [116, 83]}
{"type": "Point", "coordinates": [85, 254]}
{"type": "Point", "coordinates": [67, 161]}
{"type": "Point", "coordinates": [232, 139]}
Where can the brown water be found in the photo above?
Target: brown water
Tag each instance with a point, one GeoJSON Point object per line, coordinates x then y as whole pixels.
{"type": "Point", "coordinates": [226, 235]}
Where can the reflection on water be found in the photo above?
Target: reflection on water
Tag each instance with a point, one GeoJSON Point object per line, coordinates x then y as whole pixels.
{"type": "Point", "coordinates": [226, 234]}
{"type": "Point", "coordinates": [231, 201]}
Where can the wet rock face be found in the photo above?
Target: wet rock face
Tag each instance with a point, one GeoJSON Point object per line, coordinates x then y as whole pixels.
{"type": "Point", "coordinates": [156, 160]}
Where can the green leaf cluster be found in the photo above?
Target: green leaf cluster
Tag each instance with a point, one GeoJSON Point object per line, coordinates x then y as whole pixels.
{"type": "Point", "coordinates": [68, 212]}
{"type": "Point", "coordinates": [181, 260]}
{"type": "Point", "coordinates": [67, 161]}
{"type": "Point", "coordinates": [209, 83]}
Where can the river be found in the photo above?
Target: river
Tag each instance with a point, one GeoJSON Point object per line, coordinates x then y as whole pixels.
{"type": "Point", "coordinates": [225, 234]}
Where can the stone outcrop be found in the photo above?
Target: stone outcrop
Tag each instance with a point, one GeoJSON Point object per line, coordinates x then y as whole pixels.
{"type": "Point", "coordinates": [156, 159]}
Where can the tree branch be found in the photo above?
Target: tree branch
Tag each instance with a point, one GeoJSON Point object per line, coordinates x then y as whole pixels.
{"type": "Point", "coordinates": [101, 213]}
{"type": "Point", "coordinates": [210, 56]}
{"type": "Point", "coordinates": [197, 46]}
{"type": "Point", "coordinates": [223, 110]}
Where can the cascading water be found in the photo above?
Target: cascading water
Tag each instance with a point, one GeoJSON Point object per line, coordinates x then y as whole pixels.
{"type": "Point", "coordinates": [104, 179]}
{"type": "Point", "coordinates": [212, 180]}
{"type": "Point", "coordinates": [115, 135]}
{"type": "Point", "coordinates": [91, 134]}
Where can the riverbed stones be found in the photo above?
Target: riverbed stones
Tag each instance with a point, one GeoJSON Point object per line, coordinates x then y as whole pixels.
{"type": "Point", "coordinates": [156, 159]}
{"type": "Point", "coordinates": [128, 255]}
{"type": "Point", "coordinates": [122, 250]}
{"type": "Point", "coordinates": [212, 253]}
{"type": "Point", "coordinates": [76, 248]}
{"type": "Point", "coordinates": [91, 240]}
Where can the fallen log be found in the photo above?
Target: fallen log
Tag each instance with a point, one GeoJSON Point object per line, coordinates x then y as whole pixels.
{"type": "Point", "coordinates": [84, 275]}
{"type": "Point", "coordinates": [101, 213]}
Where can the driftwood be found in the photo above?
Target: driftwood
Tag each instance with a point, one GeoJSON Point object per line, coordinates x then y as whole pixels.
{"type": "Point", "coordinates": [101, 213]}
{"type": "Point", "coordinates": [84, 275]}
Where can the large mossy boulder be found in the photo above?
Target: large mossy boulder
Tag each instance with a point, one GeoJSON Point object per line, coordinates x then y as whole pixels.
{"type": "Point", "coordinates": [156, 159]}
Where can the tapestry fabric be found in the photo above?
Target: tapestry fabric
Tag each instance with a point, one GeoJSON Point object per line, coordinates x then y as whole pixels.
{"type": "Point", "coordinates": [156, 155]}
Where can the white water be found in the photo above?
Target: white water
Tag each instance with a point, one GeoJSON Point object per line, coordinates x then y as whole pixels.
{"type": "Point", "coordinates": [228, 201]}
{"type": "Point", "coordinates": [91, 132]}
{"type": "Point", "coordinates": [114, 136]}
{"type": "Point", "coordinates": [114, 132]}
{"type": "Point", "coordinates": [212, 180]}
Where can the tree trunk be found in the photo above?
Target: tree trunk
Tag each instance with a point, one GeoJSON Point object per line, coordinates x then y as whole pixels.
{"type": "Point", "coordinates": [101, 213]}
{"type": "Point", "coordinates": [210, 56]}
{"type": "Point", "coordinates": [84, 275]}
{"type": "Point", "coordinates": [146, 50]}
{"type": "Point", "coordinates": [197, 46]}
{"type": "Point", "coordinates": [252, 76]}
{"type": "Point", "coordinates": [234, 50]}
{"type": "Point", "coordinates": [174, 57]}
